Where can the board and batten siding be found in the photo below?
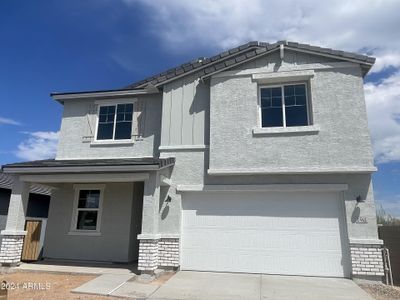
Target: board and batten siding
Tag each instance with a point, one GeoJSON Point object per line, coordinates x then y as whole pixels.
{"type": "Point", "coordinates": [185, 111]}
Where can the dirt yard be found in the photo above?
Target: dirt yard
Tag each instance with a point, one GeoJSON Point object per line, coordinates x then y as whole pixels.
{"type": "Point", "coordinates": [45, 286]}
{"type": "Point", "coordinates": [381, 291]}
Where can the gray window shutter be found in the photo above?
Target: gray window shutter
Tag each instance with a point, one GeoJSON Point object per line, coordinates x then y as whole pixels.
{"type": "Point", "coordinates": [139, 116]}
{"type": "Point", "coordinates": [90, 123]}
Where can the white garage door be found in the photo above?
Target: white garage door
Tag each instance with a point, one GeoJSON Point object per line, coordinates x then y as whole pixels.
{"type": "Point", "coordinates": [293, 233]}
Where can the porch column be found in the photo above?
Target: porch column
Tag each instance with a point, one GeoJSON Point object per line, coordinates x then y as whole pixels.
{"type": "Point", "coordinates": [13, 235]}
{"type": "Point", "coordinates": [148, 247]}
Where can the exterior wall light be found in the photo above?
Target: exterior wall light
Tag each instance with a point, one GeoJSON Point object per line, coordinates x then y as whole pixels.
{"type": "Point", "coordinates": [359, 199]}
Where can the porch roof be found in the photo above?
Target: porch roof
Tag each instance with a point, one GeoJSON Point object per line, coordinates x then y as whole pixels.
{"type": "Point", "coordinates": [89, 165]}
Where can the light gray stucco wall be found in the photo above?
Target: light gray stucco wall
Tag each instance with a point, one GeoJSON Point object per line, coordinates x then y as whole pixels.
{"type": "Point", "coordinates": [169, 212]}
{"type": "Point", "coordinates": [78, 113]}
{"type": "Point", "coordinates": [114, 242]}
{"type": "Point", "coordinates": [136, 220]}
{"type": "Point", "coordinates": [338, 108]}
{"type": "Point", "coordinates": [292, 59]}
{"type": "Point", "coordinates": [190, 169]}
{"type": "Point", "coordinates": [343, 141]}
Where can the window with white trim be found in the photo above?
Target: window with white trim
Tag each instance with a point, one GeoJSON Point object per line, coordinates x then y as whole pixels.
{"type": "Point", "coordinates": [87, 209]}
{"type": "Point", "coordinates": [284, 105]}
{"type": "Point", "coordinates": [115, 122]}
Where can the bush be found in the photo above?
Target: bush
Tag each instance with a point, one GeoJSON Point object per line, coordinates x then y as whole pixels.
{"type": "Point", "coordinates": [384, 218]}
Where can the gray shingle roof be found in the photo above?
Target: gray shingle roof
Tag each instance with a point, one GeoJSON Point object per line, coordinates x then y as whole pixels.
{"type": "Point", "coordinates": [240, 54]}
{"type": "Point", "coordinates": [161, 162]}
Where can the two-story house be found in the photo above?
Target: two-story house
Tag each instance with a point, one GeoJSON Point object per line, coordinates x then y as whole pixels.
{"type": "Point", "coordinates": [255, 160]}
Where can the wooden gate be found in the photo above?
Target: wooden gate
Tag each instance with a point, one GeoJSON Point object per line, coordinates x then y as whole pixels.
{"type": "Point", "coordinates": [391, 238]}
{"type": "Point", "coordinates": [30, 251]}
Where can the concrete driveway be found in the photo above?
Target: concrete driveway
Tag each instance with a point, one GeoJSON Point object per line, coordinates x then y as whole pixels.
{"type": "Point", "coordinates": [205, 285]}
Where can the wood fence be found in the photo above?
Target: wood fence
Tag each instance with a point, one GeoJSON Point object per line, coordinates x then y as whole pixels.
{"type": "Point", "coordinates": [391, 238]}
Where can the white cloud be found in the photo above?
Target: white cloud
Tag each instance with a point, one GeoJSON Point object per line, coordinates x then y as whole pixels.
{"type": "Point", "coordinates": [386, 59]}
{"type": "Point", "coordinates": [7, 121]}
{"type": "Point", "coordinates": [383, 105]}
{"type": "Point", "coordinates": [365, 26]}
{"type": "Point", "coordinates": [38, 145]}
{"type": "Point", "coordinates": [368, 25]}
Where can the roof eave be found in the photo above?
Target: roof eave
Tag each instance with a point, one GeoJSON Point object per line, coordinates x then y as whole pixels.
{"type": "Point", "coordinates": [61, 97]}
{"type": "Point", "coordinates": [367, 64]}
{"type": "Point", "coordinates": [83, 169]}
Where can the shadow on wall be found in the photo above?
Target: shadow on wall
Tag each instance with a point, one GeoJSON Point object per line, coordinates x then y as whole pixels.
{"type": "Point", "coordinates": [201, 103]}
{"type": "Point", "coordinates": [356, 214]}
{"type": "Point", "coordinates": [201, 93]}
{"type": "Point", "coordinates": [164, 204]}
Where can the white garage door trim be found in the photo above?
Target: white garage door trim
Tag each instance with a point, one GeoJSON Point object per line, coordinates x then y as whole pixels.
{"type": "Point", "coordinates": [262, 187]}
{"type": "Point", "coordinates": [287, 259]}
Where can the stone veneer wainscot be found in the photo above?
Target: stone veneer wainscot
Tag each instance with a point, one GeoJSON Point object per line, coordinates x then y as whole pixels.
{"type": "Point", "coordinates": [158, 253]}
{"type": "Point", "coordinates": [366, 260]}
{"type": "Point", "coordinates": [11, 249]}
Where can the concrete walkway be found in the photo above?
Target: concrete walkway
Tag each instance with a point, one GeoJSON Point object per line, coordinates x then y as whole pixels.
{"type": "Point", "coordinates": [119, 285]}
{"type": "Point", "coordinates": [103, 285]}
{"type": "Point", "coordinates": [223, 286]}
{"type": "Point", "coordinates": [78, 267]}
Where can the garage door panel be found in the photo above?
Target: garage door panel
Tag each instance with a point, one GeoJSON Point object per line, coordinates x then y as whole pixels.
{"type": "Point", "coordinates": [234, 220]}
{"type": "Point", "coordinates": [255, 240]}
{"type": "Point", "coordinates": [255, 235]}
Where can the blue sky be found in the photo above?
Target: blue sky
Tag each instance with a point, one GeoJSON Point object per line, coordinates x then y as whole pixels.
{"type": "Point", "coordinates": [77, 45]}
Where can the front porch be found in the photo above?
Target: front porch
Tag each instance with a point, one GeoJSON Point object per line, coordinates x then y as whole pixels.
{"type": "Point", "coordinates": [78, 267]}
{"type": "Point", "coordinates": [101, 211]}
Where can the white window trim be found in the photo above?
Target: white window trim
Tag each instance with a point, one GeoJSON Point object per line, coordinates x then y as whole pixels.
{"type": "Point", "coordinates": [309, 122]}
{"type": "Point", "coordinates": [309, 129]}
{"type": "Point", "coordinates": [74, 219]}
{"type": "Point", "coordinates": [112, 141]}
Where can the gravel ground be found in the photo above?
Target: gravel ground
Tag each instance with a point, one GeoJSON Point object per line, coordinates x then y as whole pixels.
{"type": "Point", "coordinates": [46, 286]}
{"type": "Point", "coordinates": [381, 291]}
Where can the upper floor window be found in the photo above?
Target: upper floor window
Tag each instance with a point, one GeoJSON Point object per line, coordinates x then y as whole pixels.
{"type": "Point", "coordinates": [284, 105]}
{"type": "Point", "coordinates": [115, 122]}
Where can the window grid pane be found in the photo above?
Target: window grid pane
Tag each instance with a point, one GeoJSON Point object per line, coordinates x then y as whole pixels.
{"type": "Point", "coordinates": [271, 107]}
{"type": "Point", "coordinates": [87, 220]}
{"type": "Point", "coordinates": [295, 111]}
{"type": "Point", "coordinates": [123, 126]}
{"type": "Point", "coordinates": [88, 209]}
{"type": "Point", "coordinates": [295, 105]}
{"type": "Point", "coordinates": [105, 130]}
{"type": "Point", "coordinates": [89, 199]}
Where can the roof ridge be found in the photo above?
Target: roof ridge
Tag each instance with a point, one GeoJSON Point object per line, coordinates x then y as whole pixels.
{"type": "Point", "coordinates": [233, 55]}
{"type": "Point", "coordinates": [196, 64]}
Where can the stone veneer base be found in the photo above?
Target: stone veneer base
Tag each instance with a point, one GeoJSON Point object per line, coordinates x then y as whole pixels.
{"type": "Point", "coordinates": [11, 249]}
{"type": "Point", "coordinates": [148, 255]}
{"type": "Point", "coordinates": [367, 261]}
{"type": "Point", "coordinates": [158, 253]}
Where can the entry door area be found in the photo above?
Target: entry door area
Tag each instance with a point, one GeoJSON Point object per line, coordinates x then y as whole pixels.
{"type": "Point", "coordinates": [290, 233]}
{"type": "Point", "coordinates": [31, 248]}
